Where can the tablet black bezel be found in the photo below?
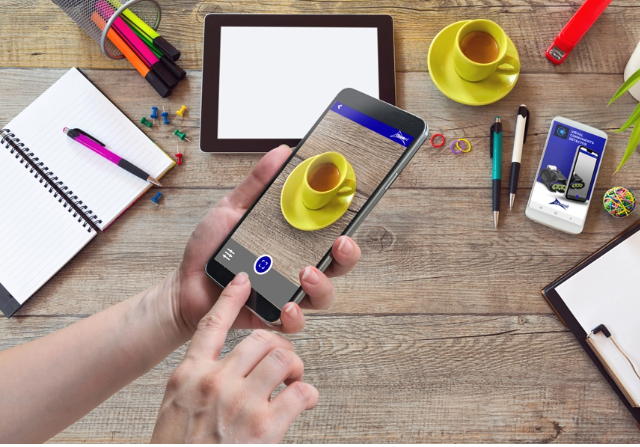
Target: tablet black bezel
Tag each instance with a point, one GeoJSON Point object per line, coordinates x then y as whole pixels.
{"type": "Point", "coordinates": [209, 141]}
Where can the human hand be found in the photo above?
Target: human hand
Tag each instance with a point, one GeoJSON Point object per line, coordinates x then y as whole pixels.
{"type": "Point", "coordinates": [209, 400]}
{"type": "Point", "coordinates": [194, 292]}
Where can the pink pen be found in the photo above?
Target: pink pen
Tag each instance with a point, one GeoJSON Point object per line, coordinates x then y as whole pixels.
{"type": "Point", "coordinates": [88, 141]}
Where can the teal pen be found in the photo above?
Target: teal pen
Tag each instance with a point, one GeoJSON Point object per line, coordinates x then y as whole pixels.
{"type": "Point", "coordinates": [495, 152]}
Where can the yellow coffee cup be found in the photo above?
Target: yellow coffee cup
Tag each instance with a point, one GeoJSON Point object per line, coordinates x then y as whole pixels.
{"type": "Point", "coordinates": [473, 71]}
{"type": "Point", "coordinates": [326, 178]}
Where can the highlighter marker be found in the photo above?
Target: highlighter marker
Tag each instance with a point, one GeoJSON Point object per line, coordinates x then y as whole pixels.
{"type": "Point", "coordinates": [137, 45]}
{"type": "Point", "coordinates": [173, 68]}
{"type": "Point", "coordinates": [157, 39]}
{"type": "Point", "coordinates": [135, 21]}
{"type": "Point", "coordinates": [157, 83]}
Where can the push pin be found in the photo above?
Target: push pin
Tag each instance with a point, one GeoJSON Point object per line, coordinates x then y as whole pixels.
{"type": "Point", "coordinates": [154, 112]}
{"type": "Point", "coordinates": [165, 115]}
{"type": "Point", "coordinates": [180, 112]}
{"type": "Point", "coordinates": [178, 154]}
{"type": "Point", "coordinates": [181, 135]}
{"type": "Point", "coordinates": [146, 122]}
{"type": "Point", "coordinates": [156, 198]}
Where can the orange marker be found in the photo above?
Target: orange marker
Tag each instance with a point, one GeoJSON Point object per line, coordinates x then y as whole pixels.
{"type": "Point", "coordinates": [149, 75]}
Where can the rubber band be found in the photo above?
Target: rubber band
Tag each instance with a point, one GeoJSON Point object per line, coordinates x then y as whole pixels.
{"type": "Point", "coordinates": [453, 150]}
{"type": "Point", "coordinates": [433, 138]}
{"type": "Point", "coordinates": [466, 141]}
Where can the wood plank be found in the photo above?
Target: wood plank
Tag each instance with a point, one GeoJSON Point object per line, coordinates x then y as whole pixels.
{"type": "Point", "coordinates": [418, 255]}
{"type": "Point", "coordinates": [395, 378]}
{"type": "Point", "coordinates": [532, 25]}
{"type": "Point", "coordinates": [568, 95]}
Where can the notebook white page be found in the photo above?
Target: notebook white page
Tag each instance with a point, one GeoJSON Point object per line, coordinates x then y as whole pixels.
{"type": "Point", "coordinates": [606, 292]}
{"type": "Point", "coordinates": [73, 101]}
{"type": "Point", "coordinates": [38, 236]}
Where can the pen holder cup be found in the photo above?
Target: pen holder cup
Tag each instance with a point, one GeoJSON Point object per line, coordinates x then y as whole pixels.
{"type": "Point", "coordinates": [81, 12]}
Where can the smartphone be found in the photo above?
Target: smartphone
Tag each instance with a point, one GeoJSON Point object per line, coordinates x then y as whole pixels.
{"type": "Point", "coordinates": [566, 176]}
{"type": "Point", "coordinates": [278, 236]}
{"type": "Point", "coordinates": [582, 172]}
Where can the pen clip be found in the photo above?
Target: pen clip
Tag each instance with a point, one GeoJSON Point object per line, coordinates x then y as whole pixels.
{"type": "Point", "coordinates": [493, 127]}
{"type": "Point", "coordinates": [82, 132]}
{"type": "Point", "coordinates": [526, 124]}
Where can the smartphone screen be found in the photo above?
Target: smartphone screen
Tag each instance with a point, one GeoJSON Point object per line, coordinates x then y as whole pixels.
{"type": "Point", "coordinates": [579, 182]}
{"type": "Point", "coordinates": [565, 180]}
{"type": "Point", "coordinates": [273, 251]}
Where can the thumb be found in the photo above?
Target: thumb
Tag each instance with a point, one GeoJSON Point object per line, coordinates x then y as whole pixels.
{"type": "Point", "coordinates": [208, 340]}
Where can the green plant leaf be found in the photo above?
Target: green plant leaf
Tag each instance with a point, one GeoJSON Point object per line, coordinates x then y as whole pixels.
{"type": "Point", "coordinates": [635, 116]}
{"type": "Point", "coordinates": [626, 86]}
{"type": "Point", "coordinates": [634, 139]}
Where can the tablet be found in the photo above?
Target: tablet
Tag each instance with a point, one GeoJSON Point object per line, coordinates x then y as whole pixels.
{"type": "Point", "coordinates": [267, 78]}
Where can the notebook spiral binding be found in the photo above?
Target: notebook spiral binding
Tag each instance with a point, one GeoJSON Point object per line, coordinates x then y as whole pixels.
{"type": "Point", "coordinates": [49, 180]}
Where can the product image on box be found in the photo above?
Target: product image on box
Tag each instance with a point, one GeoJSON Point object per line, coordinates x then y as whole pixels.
{"type": "Point", "coordinates": [568, 170]}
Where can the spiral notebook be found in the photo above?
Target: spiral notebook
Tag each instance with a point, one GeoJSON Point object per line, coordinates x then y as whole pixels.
{"type": "Point", "coordinates": [599, 301]}
{"type": "Point", "coordinates": [56, 194]}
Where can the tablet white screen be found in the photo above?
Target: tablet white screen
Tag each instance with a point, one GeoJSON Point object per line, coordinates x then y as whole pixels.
{"type": "Point", "coordinates": [275, 82]}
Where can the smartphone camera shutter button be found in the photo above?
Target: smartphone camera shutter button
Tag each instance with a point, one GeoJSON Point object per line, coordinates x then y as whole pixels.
{"type": "Point", "coordinates": [263, 264]}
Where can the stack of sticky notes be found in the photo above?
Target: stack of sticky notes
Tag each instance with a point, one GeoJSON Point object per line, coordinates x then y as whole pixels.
{"type": "Point", "coordinates": [148, 52]}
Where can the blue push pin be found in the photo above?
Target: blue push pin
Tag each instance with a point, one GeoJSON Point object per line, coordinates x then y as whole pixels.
{"type": "Point", "coordinates": [154, 112]}
{"type": "Point", "coordinates": [165, 115]}
{"type": "Point", "coordinates": [156, 198]}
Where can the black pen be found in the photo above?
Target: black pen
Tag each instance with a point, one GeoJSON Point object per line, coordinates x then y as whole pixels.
{"type": "Point", "coordinates": [522, 126]}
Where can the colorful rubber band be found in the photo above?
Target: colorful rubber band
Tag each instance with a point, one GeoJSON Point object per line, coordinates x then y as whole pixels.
{"type": "Point", "coordinates": [433, 138]}
{"type": "Point", "coordinates": [452, 148]}
{"type": "Point", "coordinates": [465, 141]}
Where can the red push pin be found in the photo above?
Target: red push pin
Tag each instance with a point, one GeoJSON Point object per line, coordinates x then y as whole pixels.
{"type": "Point", "coordinates": [179, 157]}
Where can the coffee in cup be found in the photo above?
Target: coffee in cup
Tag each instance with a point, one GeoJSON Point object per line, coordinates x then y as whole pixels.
{"type": "Point", "coordinates": [481, 50]}
{"type": "Point", "coordinates": [326, 178]}
{"type": "Point", "coordinates": [480, 47]}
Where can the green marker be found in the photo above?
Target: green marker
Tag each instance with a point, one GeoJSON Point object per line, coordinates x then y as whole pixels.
{"type": "Point", "coordinates": [173, 68]}
{"type": "Point", "coordinates": [168, 49]}
{"type": "Point", "coordinates": [495, 152]}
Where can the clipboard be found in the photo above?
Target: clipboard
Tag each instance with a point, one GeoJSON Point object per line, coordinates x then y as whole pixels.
{"type": "Point", "coordinates": [565, 315]}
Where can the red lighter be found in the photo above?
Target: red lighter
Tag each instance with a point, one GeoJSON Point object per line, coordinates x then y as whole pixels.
{"type": "Point", "coordinates": [577, 27]}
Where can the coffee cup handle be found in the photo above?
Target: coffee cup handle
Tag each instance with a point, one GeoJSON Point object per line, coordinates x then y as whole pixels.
{"type": "Point", "coordinates": [348, 187]}
{"type": "Point", "coordinates": [509, 60]}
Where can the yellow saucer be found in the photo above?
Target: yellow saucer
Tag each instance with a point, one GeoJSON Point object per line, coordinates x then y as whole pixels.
{"type": "Point", "coordinates": [444, 76]}
{"type": "Point", "coordinates": [301, 217]}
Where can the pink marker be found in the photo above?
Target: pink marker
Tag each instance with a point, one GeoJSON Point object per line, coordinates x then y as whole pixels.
{"type": "Point", "coordinates": [136, 44]}
{"type": "Point", "coordinates": [88, 141]}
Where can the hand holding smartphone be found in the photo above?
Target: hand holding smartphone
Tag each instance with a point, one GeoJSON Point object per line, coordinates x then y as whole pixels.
{"type": "Point", "coordinates": [285, 230]}
{"type": "Point", "coordinates": [561, 193]}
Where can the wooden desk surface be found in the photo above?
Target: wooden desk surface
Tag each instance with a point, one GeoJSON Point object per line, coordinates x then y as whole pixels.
{"type": "Point", "coordinates": [440, 334]}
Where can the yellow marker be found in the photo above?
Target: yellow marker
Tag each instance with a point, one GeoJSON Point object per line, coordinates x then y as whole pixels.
{"type": "Point", "coordinates": [142, 26]}
{"type": "Point", "coordinates": [181, 111]}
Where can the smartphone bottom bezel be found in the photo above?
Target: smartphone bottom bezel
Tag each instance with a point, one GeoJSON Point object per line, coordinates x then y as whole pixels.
{"type": "Point", "coordinates": [552, 222]}
{"type": "Point", "coordinates": [256, 303]}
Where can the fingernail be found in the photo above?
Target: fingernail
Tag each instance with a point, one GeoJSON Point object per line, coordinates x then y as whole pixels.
{"type": "Point", "coordinates": [240, 279]}
{"type": "Point", "coordinates": [291, 310]}
{"type": "Point", "coordinates": [309, 275]}
{"type": "Point", "coordinates": [345, 247]}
